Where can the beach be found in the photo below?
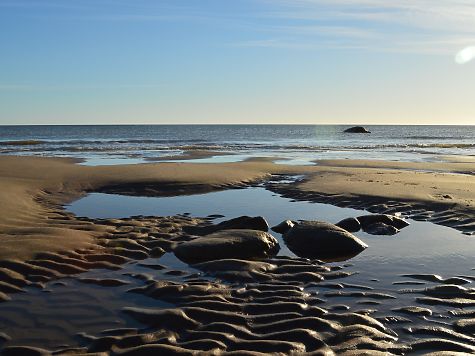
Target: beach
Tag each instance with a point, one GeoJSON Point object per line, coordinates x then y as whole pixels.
{"type": "Point", "coordinates": [237, 178]}
{"type": "Point", "coordinates": [274, 304]}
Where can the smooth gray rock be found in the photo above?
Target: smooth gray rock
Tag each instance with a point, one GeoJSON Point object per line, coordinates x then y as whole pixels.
{"type": "Point", "coordinates": [349, 224]}
{"type": "Point", "coordinates": [242, 222]}
{"type": "Point", "coordinates": [392, 220]}
{"type": "Point", "coordinates": [322, 240]}
{"type": "Point", "coordinates": [380, 229]}
{"type": "Point", "coordinates": [239, 244]}
{"type": "Point", "coordinates": [357, 129]}
{"type": "Point", "coordinates": [283, 227]}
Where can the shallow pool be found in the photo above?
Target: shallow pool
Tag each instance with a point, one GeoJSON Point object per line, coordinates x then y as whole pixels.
{"type": "Point", "coordinates": [423, 247]}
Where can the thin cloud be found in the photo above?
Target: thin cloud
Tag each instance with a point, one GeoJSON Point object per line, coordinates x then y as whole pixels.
{"type": "Point", "coordinates": [423, 26]}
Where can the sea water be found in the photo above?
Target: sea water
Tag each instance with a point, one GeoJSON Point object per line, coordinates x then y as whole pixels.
{"type": "Point", "coordinates": [301, 144]}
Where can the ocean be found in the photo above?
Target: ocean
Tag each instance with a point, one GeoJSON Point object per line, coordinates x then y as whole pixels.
{"type": "Point", "coordinates": [298, 144]}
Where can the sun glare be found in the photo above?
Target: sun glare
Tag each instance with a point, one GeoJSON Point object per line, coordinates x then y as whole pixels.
{"type": "Point", "coordinates": [465, 55]}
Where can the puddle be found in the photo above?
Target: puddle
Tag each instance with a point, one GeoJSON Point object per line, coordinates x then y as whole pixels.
{"type": "Point", "coordinates": [108, 161]}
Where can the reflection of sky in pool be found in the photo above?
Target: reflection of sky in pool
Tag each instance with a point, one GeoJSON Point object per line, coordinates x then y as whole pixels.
{"type": "Point", "coordinates": [108, 161]}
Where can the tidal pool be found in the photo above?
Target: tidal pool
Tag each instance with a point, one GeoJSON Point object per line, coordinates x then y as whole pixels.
{"type": "Point", "coordinates": [423, 246]}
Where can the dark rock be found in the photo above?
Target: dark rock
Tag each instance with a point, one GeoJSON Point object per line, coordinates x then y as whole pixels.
{"type": "Point", "coordinates": [242, 222]}
{"type": "Point", "coordinates": [366, 220]}
{"type": "Point", "coordinates": [380, 229]}
{"type": "Point", "coordinates": [349, 224]}
{"type": "Point", "coordinates": [357, 129]}
{"type": "Point", "coordinates": [322, 240]}
{"type": "Point", "coordinates": [245, 244]}
{"type": "Point", "coordinates": [283, 227]}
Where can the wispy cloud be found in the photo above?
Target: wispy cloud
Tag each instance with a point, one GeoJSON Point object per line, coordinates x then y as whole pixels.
{"type": "Point", "coordinates": [420, 26]}
{"type": "Point", "coordinates": [424, 26]}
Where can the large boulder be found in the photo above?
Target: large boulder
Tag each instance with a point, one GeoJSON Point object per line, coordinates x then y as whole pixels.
{"type": "Point", "coordinates": [241, 222]}
{"type": "Point", "coordinates": [244, 222]}
{"type": "Point", "coordinates": [238, 244]}
{"type": "Point", "coordinates": [322, 240]}
{"type": "Point", "coordinates": [367, 220]}
{"type": "Point", "coordinates": [357, 129]}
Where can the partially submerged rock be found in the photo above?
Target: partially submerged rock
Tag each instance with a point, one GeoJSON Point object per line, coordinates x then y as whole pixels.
{"type": "Point", "coordinates": [357, 129]}
{"type": "Point", "coordinates": [283, 227]}
{"type": "Point", "coordinates": [374, 224]}
{"type": "Point", "coordinates": [380, 229]}
{"type": "Point", "coordinates": [240, 244]}
{"type": "Point", "coordinates": [242, 222]}
{"type": "Point", "coordinates": [367, 220]}
{"type": "Point", "coordinates": [322, 240]}
{"type": "Point", "coordinates": [350, 224]}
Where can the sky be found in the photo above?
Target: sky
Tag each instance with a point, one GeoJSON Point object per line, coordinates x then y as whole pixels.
{"type": "Point", "coordinates": [237, 61]}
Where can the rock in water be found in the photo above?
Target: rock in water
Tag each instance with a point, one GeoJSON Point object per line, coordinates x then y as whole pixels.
{"type": "Point", "coordinates": [349, 224]}
{"type": "Point", "coordinates": [357, 129]}
{"type": "Point", "coordinates": [380, 229]}
{"type": "Point", "coordinates": [239, 244]}
{"type": "Point", "coordinates": [392, 220]}
{"type": "Point", "coordinates": [322, 240]}
{"type": "Point", "coordinates": [283, 227]}
{"type": "Point", "coordinates": [242, 222]}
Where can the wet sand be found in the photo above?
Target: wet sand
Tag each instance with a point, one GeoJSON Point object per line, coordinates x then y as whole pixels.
{"type": "Point", "coordinates": [276, 305]}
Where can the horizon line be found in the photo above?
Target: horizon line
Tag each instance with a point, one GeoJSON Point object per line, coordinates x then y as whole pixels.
{"type": "Point", "coordinates": [240, 124]}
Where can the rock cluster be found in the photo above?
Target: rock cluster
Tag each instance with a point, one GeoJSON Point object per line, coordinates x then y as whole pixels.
{"type": "Point", "coordinates": [374, 224]}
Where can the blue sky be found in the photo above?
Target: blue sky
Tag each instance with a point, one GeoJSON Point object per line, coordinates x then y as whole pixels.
{"type": "Point", "coordinates": [237, 61]}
